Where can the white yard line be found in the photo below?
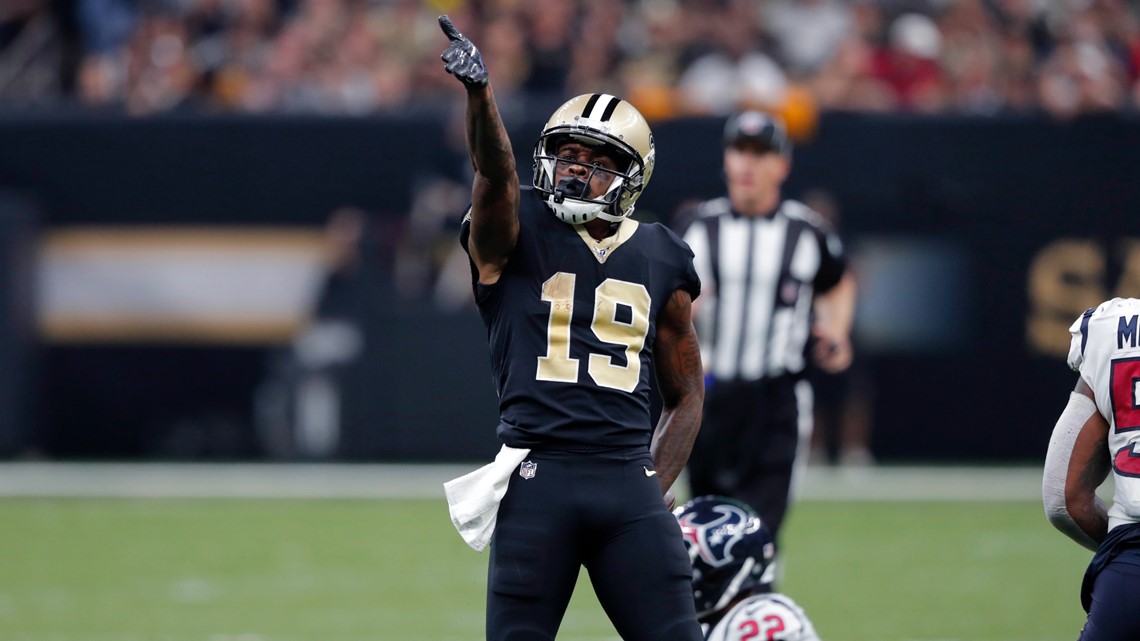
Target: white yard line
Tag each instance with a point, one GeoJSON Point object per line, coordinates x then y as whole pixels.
{"type": "Point", "coordinates": [408, 481]}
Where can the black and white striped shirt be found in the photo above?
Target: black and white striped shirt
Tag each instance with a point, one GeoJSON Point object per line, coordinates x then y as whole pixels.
{"type": "Point", "coordinates": [760, 274]}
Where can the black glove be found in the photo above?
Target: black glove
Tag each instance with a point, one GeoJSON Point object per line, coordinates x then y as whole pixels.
{"type": "Point", "coordinates": [463, 60]}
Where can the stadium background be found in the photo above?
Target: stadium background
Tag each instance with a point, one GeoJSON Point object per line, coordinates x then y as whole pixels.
{"type": "Point", "coordinates": [230, 225]}
{"type": "Point", "coordinates": [227, 234]}
{"type": "Point", "coordinates": [180, 297]}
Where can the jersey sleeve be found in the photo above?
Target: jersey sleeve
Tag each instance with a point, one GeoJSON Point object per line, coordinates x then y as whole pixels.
{"type": "Point", "coordinates": [483, 292]}
{"type": "Point", "coordinates": [699, 240]}
{"type": "Point", "coordinates": [832, 261]}
{"type": "Point", "coordinates": [687, 277]}
{"type": "Point", "coordinates": [689, 280]}
{"type": "Point", "coordinates": [1079, 340]}
{"type": "Point", "coordinates": [464, 239]}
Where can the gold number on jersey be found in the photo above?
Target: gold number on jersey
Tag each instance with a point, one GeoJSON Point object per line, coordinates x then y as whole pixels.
{"type": "Point", "coordinates": [609, 329]}
{"type": "Point", "coordinates": [557, 366]}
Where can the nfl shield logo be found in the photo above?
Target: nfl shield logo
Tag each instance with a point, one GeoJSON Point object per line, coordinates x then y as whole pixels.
{"type": "Point", "coordinates": [526, 470]}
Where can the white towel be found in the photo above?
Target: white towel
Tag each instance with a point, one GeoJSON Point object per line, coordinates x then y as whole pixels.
{"type": "Point", "coordinates": [473, 499]}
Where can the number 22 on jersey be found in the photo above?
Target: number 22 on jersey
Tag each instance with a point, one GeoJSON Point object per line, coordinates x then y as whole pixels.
{"type": "Point", "coordinates": [768, 627]}
{"type": "Point", "coordinates": [558, 367]}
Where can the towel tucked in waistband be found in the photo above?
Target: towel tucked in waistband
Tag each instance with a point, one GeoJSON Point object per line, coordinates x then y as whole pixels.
{"type": "Point", "coordinates": [473, 499]}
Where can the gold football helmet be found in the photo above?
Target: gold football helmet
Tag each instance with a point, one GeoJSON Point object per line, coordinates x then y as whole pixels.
{"type": "Point", "coordinates": [596, 119]}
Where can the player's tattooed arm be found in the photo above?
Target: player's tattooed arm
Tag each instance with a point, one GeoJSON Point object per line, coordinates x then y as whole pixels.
{"type": "Point", "coordinates": [680, 380]}
{"type": "Point", "coordinates": [495, 189]}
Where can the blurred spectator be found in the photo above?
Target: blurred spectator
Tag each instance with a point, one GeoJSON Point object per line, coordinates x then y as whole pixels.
{"type": "Point", "coordinates": [506, 51]}
{"type": "Point", "coordinates": [161, 74]}
{"type": "Point", "coordinates": [734, 73]}
{"type": "Point", "coordinates": [105, 25]}
{"type": "Point", "coordinates": [232, 54]}
{"type": "Point", "coordinates": [971, 58]}
{"type": "Point", "coordinates": [844, 84]}
{"type": "Point", "coordinates": [32, 51]}
{"type": "Point", "coordinates": [909, 64]}
{"type": "Point", "coordinates": [596, 52]}
{"type": "Point", "coordinates": [670, 57]}
{"type": "Point", "coordinates": [550, 47]}
{"type": "Point", "coordinates": [1082, 74]}
{"type": "Point", "coordinates": [102, 80]}
{"type": "Point", "coordinates": [806, 32]}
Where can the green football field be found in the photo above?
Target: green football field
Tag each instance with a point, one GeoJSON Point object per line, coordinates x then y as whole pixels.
{"type": "Point", "coordinates": [349, 570]}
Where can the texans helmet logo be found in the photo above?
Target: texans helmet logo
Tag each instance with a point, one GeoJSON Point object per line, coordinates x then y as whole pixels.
{"type": "Point", "coordinates": [713, 541]}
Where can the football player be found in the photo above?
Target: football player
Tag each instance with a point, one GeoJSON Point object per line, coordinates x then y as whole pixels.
{"type": "Point", "coordinates": [581, 304]}
{"type": "Point", "coordinates": [1096, 434]}
{"type": "Point", "coordinates": [734, 569]}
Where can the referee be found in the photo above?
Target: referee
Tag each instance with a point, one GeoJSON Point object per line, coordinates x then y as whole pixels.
{"type": "Point", "coordinates": [775, 290]}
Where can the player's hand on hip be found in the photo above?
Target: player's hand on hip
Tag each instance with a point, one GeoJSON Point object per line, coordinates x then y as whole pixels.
{"type": "Point", "coordinates": [461, 58]}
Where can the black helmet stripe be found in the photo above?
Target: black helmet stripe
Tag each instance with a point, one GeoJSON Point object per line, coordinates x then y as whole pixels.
{"type": "Point", "coordinates": [600, 107]}
{"type": "Point", "coordinates": [590, 105]}
{"type": "Point", "coordinates": [610, 109]}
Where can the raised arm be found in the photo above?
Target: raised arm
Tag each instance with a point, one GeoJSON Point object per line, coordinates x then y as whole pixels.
{"type": "Point", "coordinates": [680, 380]}
{"type": "Point", "coordinates": [495, 190]}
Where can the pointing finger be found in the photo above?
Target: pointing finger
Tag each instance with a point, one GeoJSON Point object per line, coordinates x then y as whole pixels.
{"type": "Point", "coordinates": [449, 29]}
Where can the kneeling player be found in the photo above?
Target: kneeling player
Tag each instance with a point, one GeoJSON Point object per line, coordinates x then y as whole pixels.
{"type": "Point", "coordinates": [734, 567]}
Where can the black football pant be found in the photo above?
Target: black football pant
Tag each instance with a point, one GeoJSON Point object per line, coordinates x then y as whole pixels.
{"type": "Point", "coordinates": [747, 446]}
{"type": "Point", "coordinates": [1115, 600]}
{"type": "Point", "coordinates": [603, 511]}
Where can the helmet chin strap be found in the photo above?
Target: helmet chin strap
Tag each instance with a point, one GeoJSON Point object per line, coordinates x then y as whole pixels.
{"type": "Point", "coordinates": [734, 586]}
{"type": "Point", "coordinates": [612, 218]}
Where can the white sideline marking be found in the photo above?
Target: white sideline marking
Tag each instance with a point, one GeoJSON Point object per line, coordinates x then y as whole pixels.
{"type": "Point", "coordinates": [412, 481]}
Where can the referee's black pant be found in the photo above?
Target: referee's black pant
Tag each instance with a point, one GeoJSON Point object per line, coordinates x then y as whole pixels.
{"type": "Point", "coordinates": [747, 445]}
{"type": "Point", "coordinates": [602, 510]}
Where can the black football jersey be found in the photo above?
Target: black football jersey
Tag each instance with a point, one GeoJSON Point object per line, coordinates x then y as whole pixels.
{"type": "Point", "coordinates": [571, 325]}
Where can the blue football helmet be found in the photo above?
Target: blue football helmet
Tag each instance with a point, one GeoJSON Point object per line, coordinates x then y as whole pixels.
{"type": "Point", "coordinates": [731, 550]}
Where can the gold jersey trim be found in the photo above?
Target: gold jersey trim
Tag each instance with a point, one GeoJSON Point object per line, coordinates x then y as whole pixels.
{"type": "Point", "coordinates": [604, 248]}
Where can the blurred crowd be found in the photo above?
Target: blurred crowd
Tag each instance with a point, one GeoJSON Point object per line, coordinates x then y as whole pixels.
{"type": "Point", "coordinates": [670, 57]}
